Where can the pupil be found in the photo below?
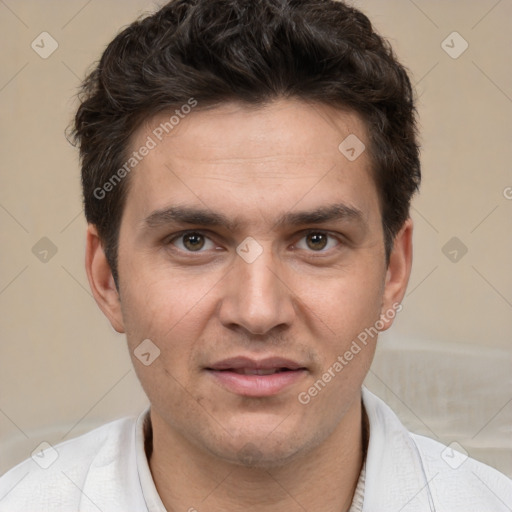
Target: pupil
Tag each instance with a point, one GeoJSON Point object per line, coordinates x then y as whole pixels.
{"type": "Point", "coordinates": [316, 241]}
{"type": "Point", "coordinates": [193, 241]}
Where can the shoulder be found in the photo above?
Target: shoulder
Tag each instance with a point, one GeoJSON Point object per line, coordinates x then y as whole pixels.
{"type": "Point", "coordinates": [452, 473]}
{"type": "Point", "coordinates": [57, 477]}
{"type": "Point", "coordinates": [413, 473]}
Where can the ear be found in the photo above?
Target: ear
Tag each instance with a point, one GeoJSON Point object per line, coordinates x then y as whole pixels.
{"type": "Point", "coordinates": [101, 281]}
{"type": "Point", "coordinates": [397, 275]}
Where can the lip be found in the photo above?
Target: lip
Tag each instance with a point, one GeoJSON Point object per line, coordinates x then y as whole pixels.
{"type": "Point", "coordinates": [229, 374]}
{"type": "Point", "coordinates": [236, 363]}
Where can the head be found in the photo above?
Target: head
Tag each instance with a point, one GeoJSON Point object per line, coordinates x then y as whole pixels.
{"type": "Point", "coordinates": [229, 119]}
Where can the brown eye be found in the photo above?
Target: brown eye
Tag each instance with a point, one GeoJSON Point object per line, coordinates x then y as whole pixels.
{"type": "Point", "coordinates": [316, 241]}
{"type": "Point", "coordinates": [193, 241]}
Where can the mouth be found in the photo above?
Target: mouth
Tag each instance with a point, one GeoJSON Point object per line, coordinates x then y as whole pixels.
{"type": "Point", "coordinates": [257, 378]}
{"type": "Point", "coordinates": [257, 371]}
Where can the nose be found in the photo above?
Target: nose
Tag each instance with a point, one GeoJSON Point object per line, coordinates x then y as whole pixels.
{"type": "Point", "coordinates": [257, 298]}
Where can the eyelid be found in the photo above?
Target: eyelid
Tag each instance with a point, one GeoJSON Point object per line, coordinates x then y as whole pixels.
{"type": "Point", "coordinates": [301, 235]}
{"type": "Point", "coordinates": [336, 236]}
{"type": "Point", "coordinates": [168, 240]}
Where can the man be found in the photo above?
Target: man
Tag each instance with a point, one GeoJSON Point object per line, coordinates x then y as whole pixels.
{"type": "Point", "coordinates": [247, 169]}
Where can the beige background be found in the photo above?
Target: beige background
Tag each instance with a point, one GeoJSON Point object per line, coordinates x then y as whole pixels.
{"type": "Point", "coordinates": [445, 367]}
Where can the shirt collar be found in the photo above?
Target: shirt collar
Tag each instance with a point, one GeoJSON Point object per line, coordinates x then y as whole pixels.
{"type": "Point", "coordinates": [143, 446]}
{"type": "Point", "coordinates": [395, 476]}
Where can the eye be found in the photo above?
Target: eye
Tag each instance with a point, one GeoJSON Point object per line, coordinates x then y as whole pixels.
{"type": "Point", "coordinates": [317, 241]}
{"type": "Point", "coordinates": [192, 241]}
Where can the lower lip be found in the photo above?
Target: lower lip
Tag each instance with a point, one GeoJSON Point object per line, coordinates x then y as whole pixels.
{"type": "Point", "coordinates": [257, 385]}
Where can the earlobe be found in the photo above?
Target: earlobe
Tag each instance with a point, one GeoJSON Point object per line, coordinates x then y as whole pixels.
{"type": "Point", "coordinates": [397, 274]}
{"type": "Point", "coordinates": [101, 281]}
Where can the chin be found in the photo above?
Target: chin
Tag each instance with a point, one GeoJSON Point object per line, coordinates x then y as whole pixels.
{"type": "Point", "coordinates": [252, 455]}
{"type": "Point", "coordinates": [261, 450]}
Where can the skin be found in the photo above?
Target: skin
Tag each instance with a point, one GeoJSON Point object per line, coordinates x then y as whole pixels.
{"type": "Point", "coordinates": [214, 449]}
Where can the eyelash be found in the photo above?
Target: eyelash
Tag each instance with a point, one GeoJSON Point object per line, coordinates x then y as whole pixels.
{"type": "Point", "coordinates": [177, 236]}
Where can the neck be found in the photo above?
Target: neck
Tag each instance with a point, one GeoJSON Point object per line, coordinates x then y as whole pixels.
{"type": "Point", "coordinates": [324, 478]}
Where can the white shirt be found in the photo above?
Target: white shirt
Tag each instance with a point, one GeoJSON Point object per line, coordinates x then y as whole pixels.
{"type": "Point", "coordinates": [107, 470]}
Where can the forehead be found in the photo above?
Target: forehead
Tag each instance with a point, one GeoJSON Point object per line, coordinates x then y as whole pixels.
{"type": "Point", "coordinates": [257, 161]}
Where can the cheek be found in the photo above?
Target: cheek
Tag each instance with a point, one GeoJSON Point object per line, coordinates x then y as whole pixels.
{"type": "Point", "coordinates": [172, 313]}
{"type": "Point", "coordinates": [344, 305]}
{"type": "Point", "coordinates": [158, 304]}
{"type": "Point", "coordinates": [172, 318]}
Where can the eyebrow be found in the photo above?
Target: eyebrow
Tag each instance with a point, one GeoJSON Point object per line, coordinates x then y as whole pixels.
{"type": "Point", "coordinates": [321, 215]}
{"type": "Point", "coordinates": [206, 217]}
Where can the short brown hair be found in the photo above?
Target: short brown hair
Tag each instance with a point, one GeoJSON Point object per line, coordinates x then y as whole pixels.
{"type": "Point", "coordinates": [253, 51]}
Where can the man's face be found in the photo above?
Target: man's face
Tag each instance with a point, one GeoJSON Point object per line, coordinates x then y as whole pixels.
{"type": "Point", "coordinates": [250, 244]}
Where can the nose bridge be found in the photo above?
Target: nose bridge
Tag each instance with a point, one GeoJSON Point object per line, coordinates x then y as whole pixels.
{"type": "Point", "coordinates": [257, 299]}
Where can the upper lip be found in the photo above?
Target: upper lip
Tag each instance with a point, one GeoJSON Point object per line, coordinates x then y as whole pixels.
{"type": "Point", "coordinates": [237, 363]}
